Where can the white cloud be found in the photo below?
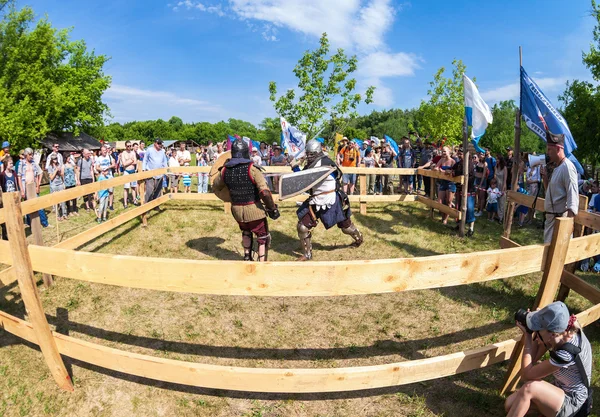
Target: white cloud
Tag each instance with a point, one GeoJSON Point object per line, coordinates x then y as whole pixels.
{"type": "Point", "coordinates": [190, 5]}
{"type": "Point", "coordinates": [359, 26]}
{"type": "Point", "coordinates": [511, 91]}
{"type": "Point", "coordinates": [130, 103]}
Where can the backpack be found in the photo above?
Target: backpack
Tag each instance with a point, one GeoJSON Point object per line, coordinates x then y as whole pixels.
{"type": "Point", "coordinates": [586, 408]}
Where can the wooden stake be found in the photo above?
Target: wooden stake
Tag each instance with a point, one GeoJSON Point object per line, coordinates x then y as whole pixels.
{"type": "Point", "coordinates": [431, 194]}
{"type": "Point", "coordinates": [227, 208]}
{"type": "Point", "coordinates": [578, 230]}
{"type": "Point", "coordinates": [555, 262]}
{"type": "Point", "coordinates": [36, 228]}
{"type": "Point", "coordinates": [465, 186]}
{"type": "Point", "coordinates": [29, 292]}
{"type": "Point", "coordinates": [363, 191]}
{"type": "Point", "coordinates": [508, 218]}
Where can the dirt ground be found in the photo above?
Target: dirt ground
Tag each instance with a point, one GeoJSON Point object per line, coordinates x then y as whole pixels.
{"type": "Point", "coordinates": [271, 332]}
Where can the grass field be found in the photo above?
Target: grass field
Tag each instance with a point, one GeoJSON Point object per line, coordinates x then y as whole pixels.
{"type": "Point", "coordinates": [271, 332]}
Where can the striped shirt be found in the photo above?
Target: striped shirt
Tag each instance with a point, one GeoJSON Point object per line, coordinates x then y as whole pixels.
{"type": "Point", "coordinates": [567, 377]}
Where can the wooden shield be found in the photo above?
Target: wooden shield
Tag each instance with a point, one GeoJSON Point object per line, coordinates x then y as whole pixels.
{"type": "Point", "coordinates": [216, 170]}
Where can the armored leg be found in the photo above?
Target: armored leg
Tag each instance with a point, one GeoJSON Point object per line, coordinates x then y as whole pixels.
{"type": "Point", "coordinates": [305, 235]}
{"type": "Point", "coordinates": [348, 228]}
{"type": "Point", "coordinates": [247, 242]}
{"type": "Point", "coordinates": [264, 242]}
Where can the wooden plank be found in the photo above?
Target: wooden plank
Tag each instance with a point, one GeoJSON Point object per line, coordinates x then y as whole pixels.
{"type": "Point", "coordinates": [2, 215]}
{"type": "Point", "coordinates": [277, 279]}
{"type": "Point", "coordinates": [270, 380]}
{"type": "Point", "coordinates": [583, 217]}
{"type": "Point", "coordinates": [48, 200]}
{"type": "Point", "coordinates": [506, 243]}
{"type": "Point", "coordinates": [96, 231]}
{"type": "Point", "coordinates": [583, 247]}
{"type": "Point", "coordinates": [363, 192]}
{"type": "Point", "coordinates": [440, 175]}
{"type": "Point", "coordinates": [555, 263]}
{"type": "Point", "coordinates": [36, 228]}
{"type": "Point", "coordinates": [431, 194]}
{"type": "Point", "coordinates": [352, 198]}
{"type": "Point", "coordinates": [29, 293]}
{"type": "Point", "coordinates": [440, 207]}
{"type": "Point", "coordinates": [581, 287]}
{"type": "Point", "coordinates": [288, 169]}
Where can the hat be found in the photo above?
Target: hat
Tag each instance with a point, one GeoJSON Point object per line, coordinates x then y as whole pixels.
{"type": "Point", "coordinates": [555, 140]}
{"type": "Point", "coordinates": [554, 318]}
{"type": "Point", "coordinates": [274, 143]}
{"type": "Point", "coordinates": [5, 144]}
{"type": "Point", "coordinates": [509, 148]}
{"type": "Point", "coordinates": [158, 140]}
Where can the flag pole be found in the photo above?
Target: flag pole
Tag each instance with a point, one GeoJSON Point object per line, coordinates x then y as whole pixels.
{"type": "Point", "coordinates": [465, 186]}
{"type": "Point", "coordinates": [513, 372]}
{"type": "Point", "coordinates": [508, 218]}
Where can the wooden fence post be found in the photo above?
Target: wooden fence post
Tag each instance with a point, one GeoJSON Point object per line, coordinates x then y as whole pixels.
{"type": "Point", "coordinates": [36, 228]}
{"type": "Point", "coordinates": [578, 231]}
{"type": "Point", "coordinates": [431, 194]}
{"type": "Point", "coordinates": [29, 293]}
{"type": "Point", "coordinates": [555, 263]}
{"type": "Point", "coordinates": [363, 191]}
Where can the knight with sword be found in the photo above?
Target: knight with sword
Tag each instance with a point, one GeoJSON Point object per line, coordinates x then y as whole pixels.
{"type": "Point", "coordinates": [327, 202]}
{"type": "Point", "coordinates": [235, 179]}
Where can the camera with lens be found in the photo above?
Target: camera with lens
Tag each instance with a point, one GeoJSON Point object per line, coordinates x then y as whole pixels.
{"type": "Point", "coordinates": [521, 317]}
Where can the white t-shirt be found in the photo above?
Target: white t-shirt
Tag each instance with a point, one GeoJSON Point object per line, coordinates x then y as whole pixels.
{"type": "Point", "coordinates": [173, 162]}
{"type": "Point", "coordinates": [322, 195]}
{"type": "Point", "coordinates": [104, 162]}
{"type": "Point", "coordinates": [185, 155]}
{"type": "Point", "coordinates": [256, 159]}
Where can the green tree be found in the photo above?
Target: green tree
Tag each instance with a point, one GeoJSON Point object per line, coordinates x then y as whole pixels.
{"type": "Point", "coordinates": [320, 97]}
{"type": "Point", "coordinates": [271, 130]}
{"type": "Point", "coordinates": [442, 115]}
{"type": "Point", "coordinates": [47, 82]}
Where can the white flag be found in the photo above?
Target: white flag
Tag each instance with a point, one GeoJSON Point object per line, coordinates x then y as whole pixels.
{"type": "Point", "coordinates": [293, 139]}
{"type": "Point", "coordinates": [477, 110]}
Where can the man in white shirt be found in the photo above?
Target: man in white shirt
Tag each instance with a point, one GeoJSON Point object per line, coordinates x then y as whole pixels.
{"type": "Point", "coordinates": [58, 156]}
{"type": "Point", "coordinates": [183, 155]}
{"type": "Point", "coordinates": [173, 178]}
{"type": "Point", "coordinates": [129, 164]}
{"type": "Point", "coordinates": [562, 197]}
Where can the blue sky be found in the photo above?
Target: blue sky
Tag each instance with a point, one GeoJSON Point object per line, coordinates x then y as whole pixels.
{"type": "Point", "coordinates": [210, 60]}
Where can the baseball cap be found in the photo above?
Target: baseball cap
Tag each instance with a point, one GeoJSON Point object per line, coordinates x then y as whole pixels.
{"type": "Point", "coordinates": [509, 148]}
{"type": "Point", "coordinates": [158, 140]}
{"type": "Point", "coordinates": [555, 140]}
{"type": "Point", "coordinates": [554, 318]}
{"type": "Point", "coordinates": [5, 144]}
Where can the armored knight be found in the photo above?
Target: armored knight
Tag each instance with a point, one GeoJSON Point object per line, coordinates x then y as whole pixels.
{"type": "Point", "coordinates": [251, 199]}
{"type": "Point", "coordinates": [327, 202]}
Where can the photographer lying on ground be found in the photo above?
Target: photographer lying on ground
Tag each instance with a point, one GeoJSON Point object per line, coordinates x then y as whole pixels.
{"type": "Point", "coordinates": [553, 329]}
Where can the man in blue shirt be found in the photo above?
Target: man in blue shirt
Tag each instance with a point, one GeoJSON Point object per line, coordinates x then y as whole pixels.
{"type": "Point", "coordinates": [154, 158]}
{"type": "Point", "coordinates": [491, 163]}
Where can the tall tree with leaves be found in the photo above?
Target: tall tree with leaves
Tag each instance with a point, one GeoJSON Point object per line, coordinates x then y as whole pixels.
{"type": "Point", "coordinates": [442, 115]}
{"type": "Point", "coordinates": [47, 82]}
{"type": "Point", "coordinates": [325, 90]}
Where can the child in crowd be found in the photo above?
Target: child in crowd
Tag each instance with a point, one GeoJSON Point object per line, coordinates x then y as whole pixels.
{"type": "Point", "coordinates": [103, 198]}
{"type": "Point", "coordinates": [493, 194]}
{"type": "Point", "coordinates": [187, 183]}
{"type": "Point", "coordinates": [522, 210]}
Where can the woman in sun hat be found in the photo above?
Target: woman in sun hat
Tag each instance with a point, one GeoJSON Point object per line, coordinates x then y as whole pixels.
{"type": "Point", "coordinates": [553, 329]}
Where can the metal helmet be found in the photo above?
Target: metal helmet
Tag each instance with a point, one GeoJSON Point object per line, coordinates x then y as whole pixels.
{"type": "Point", "coordinates": [313, 150]}
{"type": "Point", "coordinates": [239, 149]}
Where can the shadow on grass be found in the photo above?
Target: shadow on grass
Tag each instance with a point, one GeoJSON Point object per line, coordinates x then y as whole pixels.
{"type": "Point", "coordinates": [210, 246]}
{"type": "Point", "coordinates": [408, 349]}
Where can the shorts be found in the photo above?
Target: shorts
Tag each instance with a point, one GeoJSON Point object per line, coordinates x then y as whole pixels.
{"type": "Point", "coordinates": [259, 227]}
{"type": "Point", "coordinates": [129, 184]}
{"type": "Point", "coordinates": [173, 180]}
{"type": "Point", "coordinates": [480, 182]}
{"type": "Point", "coordinates": [569, 407]}
{"type": "Point", "coordinates": [348, 178]}
{"type": "Point", "coordinates": [492, 208]}
{"type": "Point", "coordinates": [111, 189]}
{"type": "Point", "coordinates": [447, 186]}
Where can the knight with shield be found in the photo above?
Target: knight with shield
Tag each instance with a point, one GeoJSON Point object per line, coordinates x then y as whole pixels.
{"type": "Point", "coordinates": [235, 179]}
{"type": "Point", "coordinates": [327, 202]}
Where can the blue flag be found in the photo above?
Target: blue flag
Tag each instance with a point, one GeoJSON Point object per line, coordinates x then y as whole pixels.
{"type": "Point", "coordinates": [540, 115]}
{"type": "Point", "coordinates": [393, 143]}
{"type": "Point", "coordinates": [358, 142]}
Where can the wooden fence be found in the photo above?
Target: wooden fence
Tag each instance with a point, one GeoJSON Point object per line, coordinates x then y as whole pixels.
{"type": "Point", "coordinates": [328, 278]}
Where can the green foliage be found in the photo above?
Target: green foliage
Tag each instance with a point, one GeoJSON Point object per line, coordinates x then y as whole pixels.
{"type": "Point", "coordinates": [501, 133]}
{"type": "Point", "coordinates": [320, 97]}
{"type": "Point", "coordinates": [47, 82]}
{"type": "Point", "coordinates": [582, 111]}
{"type": "Point", "coordinates": [591, 59]}
{"type": "Point", "coordinates": [443, 114]}
{"type": "Point", "coordinates": [271, 130]}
